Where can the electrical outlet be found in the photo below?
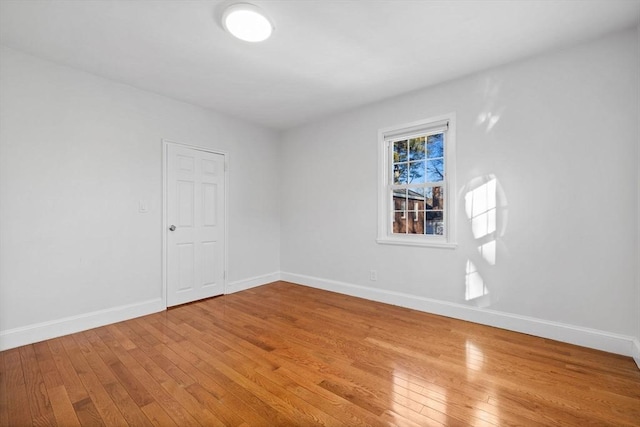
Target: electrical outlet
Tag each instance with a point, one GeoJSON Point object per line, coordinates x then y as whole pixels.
{"type": "Point", "coordinates": [373, 275]}
{"type": "Point", "coordinates": [143, 206]}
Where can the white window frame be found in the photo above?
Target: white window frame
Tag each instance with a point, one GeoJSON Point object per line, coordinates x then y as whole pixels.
{"type": "Point", "coordinates": [385, 165]}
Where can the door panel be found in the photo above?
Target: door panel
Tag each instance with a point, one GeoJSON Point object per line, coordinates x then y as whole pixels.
{"type": "Point", "coordinates": [209, 268]}
{"type": "Point", "coordinates": [185, 203]}
{"type": "Point", "coordinates": [195, 206]}
{"type": "Point", "coordinates": [209, 197]}
{"type": "Point", "coordinates": [186, 266]}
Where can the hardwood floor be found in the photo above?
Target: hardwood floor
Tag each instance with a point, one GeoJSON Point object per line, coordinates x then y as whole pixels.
{"type": "Point", "coordinates": [284, 354]}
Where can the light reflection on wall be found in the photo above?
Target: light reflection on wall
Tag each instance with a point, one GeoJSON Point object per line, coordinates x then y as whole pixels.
{"type": "Point", "coordinates": [485, 203]}
{"type": "Point", "coordinates": [488, 252]}
{"type": "Point", "coordinates": [488, 119]}
{"type": "Point", "coordinates": [480, 205]}
{"type": "Point", "coordinates": [474, 284]}
{"type": "Point", "coordinates": [491, 113]}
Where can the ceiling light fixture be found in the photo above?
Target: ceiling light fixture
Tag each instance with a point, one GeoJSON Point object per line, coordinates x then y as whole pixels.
{"type": "Point", "coordinates": [247, 22]}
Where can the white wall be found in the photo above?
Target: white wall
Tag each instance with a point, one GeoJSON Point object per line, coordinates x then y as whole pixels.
{"type": "Point", "coordinates": [564, 152]}
{"type": "Point", "coordinates": [77, 153]}
{"type": "Point", "coordinates": [636, 353]}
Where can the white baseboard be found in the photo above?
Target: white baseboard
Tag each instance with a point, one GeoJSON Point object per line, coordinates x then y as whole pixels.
{"type": "Point", "coordinates": [30, 334]}
{"type": "Point", "coordinates": [600, 340]}
{"type": "Point", "coordinates": [252, 282]}
{"type": "Point", "coordinates": [636, 352]}
{"type": "Point", "coordinates": [577, 335]}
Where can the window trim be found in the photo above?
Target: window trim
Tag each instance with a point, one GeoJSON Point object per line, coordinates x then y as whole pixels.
{"type": "Point", "coordinates": [385, 135]}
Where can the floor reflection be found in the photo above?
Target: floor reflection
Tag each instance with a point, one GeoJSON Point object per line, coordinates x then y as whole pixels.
{"type": "Point", "coordinates": [475, 357]}
{"type": "Point", "coordinates": [414, 394]}
{"type": "Point", "coordinates": [477, 363]}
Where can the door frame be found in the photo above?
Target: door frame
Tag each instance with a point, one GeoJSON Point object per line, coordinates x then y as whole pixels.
{"type": "Point", "coordinates": [165, 211]}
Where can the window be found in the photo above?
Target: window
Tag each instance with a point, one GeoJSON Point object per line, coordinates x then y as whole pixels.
{"type": "Point", "coordinates": [416, 184]}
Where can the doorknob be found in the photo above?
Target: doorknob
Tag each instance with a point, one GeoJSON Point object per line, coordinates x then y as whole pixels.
{"type": "Point", "coordinates": [172, 228]}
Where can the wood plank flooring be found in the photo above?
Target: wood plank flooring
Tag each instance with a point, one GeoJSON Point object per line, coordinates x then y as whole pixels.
{"type": "Point", "coordinates": [289, 355]}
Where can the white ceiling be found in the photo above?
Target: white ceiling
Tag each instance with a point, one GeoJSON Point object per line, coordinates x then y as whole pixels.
{"type": "Point", "coordinates": [325, 56]}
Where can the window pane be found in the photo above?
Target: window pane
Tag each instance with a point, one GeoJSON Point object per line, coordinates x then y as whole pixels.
{"type": "Point", "coordinates": [400, 151]}
{"type": "Point", "coordinates": [435, 198]}
{"type": "Point", "coordinates": [435, 170]}
{"type": "Point", "coordinates": [399, 207]}
{"type": "Point", "coordinates": [415, 220]}
{"type": "Point", "coordinates": [417, 149]}
{"type": "Point", "coordinates": [417, 194]}
{"type": "Point", "coordinates": [399, 200]}
{"type": "Point", "coordinates": [435, 146]}
{"type": "Point", "coordinates": [417, 172]}
{"type": "Point", "coordinates": [400, 173]}
{"type": "Point", "coordinates": [400, 222]}
{"type": "Point", "coordinates": [415, 227]}
{"type": "Point", "coordinates": [415, 210]}
{"type": "Point", "coordinates": [434, 223]}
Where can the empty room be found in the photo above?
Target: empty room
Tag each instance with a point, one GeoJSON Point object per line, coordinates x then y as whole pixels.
{"type": "Point", "coordinates": [319, 212]}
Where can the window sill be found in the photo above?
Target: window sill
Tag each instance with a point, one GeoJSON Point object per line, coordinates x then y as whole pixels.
{"type": "Point", "coordinates": [416, 242]}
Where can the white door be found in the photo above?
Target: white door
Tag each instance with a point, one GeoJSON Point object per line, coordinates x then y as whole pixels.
{"type": "Point", "coordinates": [195, 224]}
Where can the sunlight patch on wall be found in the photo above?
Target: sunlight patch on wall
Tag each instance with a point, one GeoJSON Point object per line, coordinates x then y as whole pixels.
{"type": "Point", "coordinates": [485, 207]}
{"type": "Point", "coordinates": [488, 119]}
{"type": "Point", "coordinates": [480, 206]}
{"type": "Point", "coordinates": [474, 284]}
{"type": "Point", "coordinates": [488, 252]}
{"type": "Point", "coordinates": [490, 116]}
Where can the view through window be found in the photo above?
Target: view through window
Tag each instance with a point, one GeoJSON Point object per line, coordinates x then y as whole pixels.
{"type": "Point", "coordinates": [418, 163]}
{"type": "Point", "coordinates": [417, 192]}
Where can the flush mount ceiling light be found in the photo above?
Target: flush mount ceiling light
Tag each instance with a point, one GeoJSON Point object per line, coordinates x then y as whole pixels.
{"type": "Point", "coordinates": [247, 22]}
